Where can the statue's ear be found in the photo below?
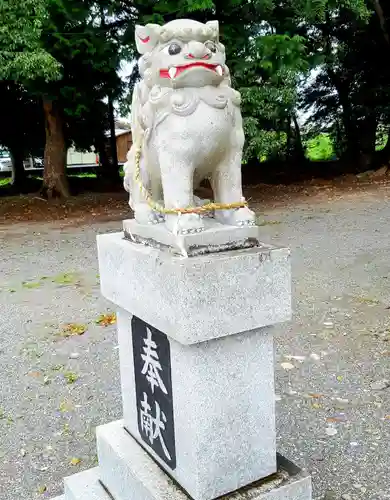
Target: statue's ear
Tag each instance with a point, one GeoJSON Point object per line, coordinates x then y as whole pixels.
{"type": "Point", "coordinates": [146, 37]}
{"type": "Point", "coordinates": [214, 25]}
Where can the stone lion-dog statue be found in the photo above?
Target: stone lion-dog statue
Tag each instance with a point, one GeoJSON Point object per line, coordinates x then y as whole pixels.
{"type": "Point", "coordinates": [186, 126]}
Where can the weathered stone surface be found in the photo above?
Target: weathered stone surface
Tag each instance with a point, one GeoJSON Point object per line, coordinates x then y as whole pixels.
{"type": "Point", "coordinates": [198, 298]}
{"type": "Point", "coordinates": [186, 126]}
{"type": "Point", "coordinates": [85, 486]}
{"type": "Point", "coordinates": [129, 473]}
{"type": "Point", "coordinates": [215, 238]}
{"type": "Point", "coordinates": [223, 407]}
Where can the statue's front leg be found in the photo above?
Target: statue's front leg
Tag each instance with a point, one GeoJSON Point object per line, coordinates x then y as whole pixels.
{"type": "Point", "coordinates": [227, 188]}
{"type": "Point", "coordinates": [177, 175]}
{"type": "Point", "coordinates": [143, 212]}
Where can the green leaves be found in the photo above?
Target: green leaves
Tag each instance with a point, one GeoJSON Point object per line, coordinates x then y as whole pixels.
{"type": "Point", "coordinates": [21, 54]}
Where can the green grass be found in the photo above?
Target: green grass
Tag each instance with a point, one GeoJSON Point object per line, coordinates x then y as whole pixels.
{"type": "Point", "coordinates": [82, 175]}
{"type": "Point", "coordinates": [5, 181]}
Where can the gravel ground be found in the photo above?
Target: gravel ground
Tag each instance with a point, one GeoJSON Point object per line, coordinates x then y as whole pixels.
{"type": "Point", "coordinates": [332, 359]}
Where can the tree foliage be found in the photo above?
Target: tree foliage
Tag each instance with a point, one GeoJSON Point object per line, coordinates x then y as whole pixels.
{"type": "Point", "coordinates": [21, 54]}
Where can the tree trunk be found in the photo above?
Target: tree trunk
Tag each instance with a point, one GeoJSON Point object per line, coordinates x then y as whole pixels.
{"type": "Point", "coordinates": [114, 171]}
{"type": "Point", "coordinates": [55, 182]}
{"type": "Point", "coordinates": [299, 152]}
{"type": "Point", "coordinates": [367, 141]}
{"type": "Point", "coordinates": [351, 152]}
{"type": "Point", "coordinates": [18, 173]}
{"type": "Point", "coordinates": [104, 167]}
{"type": "Point", "coordinates": [382, 20]}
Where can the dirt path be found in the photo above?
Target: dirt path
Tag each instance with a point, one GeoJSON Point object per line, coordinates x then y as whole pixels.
{"type": "Point", "coordinates": [333, 410]}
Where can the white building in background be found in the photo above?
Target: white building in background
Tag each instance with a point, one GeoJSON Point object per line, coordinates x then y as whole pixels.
{"type": "Point", "coordinates": [76, 158]}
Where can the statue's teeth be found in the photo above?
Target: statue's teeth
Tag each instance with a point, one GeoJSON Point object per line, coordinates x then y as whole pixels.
{"type": "Point", "coordinates": [172, 72]}
{"type": "Point", "coordinates": [219, 70]}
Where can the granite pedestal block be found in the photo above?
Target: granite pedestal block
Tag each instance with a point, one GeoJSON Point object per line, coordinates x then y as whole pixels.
{"type": "Point", "coordinates": [129, 473]}
{"type": "Point", "coordinates": [198, 298]}
{"type": "Point", "coordinates": [223, 406]}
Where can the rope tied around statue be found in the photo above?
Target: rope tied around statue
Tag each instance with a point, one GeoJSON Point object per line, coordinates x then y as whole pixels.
{"type": "Point", "coordinates": [208, 207]}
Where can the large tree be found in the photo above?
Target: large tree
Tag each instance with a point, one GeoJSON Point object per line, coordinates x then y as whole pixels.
{"type": "Point", "coordinates": [75, 34]}
{"type": "Point", "coordinates": [22, 59]}
{"type": "Point", "coordinates": [351, 92]}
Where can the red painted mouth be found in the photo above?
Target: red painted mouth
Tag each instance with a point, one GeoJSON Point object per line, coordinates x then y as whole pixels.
{"type": "Point", "coordinates": [164, 73]}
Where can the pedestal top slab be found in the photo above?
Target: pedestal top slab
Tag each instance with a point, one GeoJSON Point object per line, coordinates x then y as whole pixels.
{"type": "Point", "coordinates": [199, 298]}
{"type": "Point", "coordinates": [215, 238]}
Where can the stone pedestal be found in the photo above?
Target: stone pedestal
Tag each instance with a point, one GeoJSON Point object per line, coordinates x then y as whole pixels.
{"type": "Point", "coordinates": [222, 399]}
{"type": "Point", "coordinates": [197, 374]}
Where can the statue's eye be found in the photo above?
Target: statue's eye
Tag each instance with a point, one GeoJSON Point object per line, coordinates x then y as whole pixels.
{"type": "Point", "coordinates": [174, 49]}
{"type": "Point", "coordinates": [211, 46]}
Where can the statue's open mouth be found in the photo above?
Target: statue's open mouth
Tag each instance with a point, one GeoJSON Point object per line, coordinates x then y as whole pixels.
{"type": "Point", "coordinates": [175, 71]}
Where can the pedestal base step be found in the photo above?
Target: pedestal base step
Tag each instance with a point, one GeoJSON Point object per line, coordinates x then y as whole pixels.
{"type": "Point", "coordinates": [85, 486]}
{"type": "Point", "coordinates": [129, 473]}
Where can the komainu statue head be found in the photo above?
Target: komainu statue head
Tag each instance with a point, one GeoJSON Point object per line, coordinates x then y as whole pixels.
{"type": "Point", "coordinates": [182, 53]}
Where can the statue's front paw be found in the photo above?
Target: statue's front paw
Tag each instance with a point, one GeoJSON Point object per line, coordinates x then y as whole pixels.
{"type": "Point", "coordinates": [237, 217]}
{"type": "Point", "coordinates": [184, 224]}
{"type": "Point", "coordinates": [144, 214]}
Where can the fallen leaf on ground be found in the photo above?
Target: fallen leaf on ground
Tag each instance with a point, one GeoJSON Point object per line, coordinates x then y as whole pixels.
{"type": "Point", "coordinates": [66, 429]}
{"type": "Point", "coordinates": [65, 279]}
{"type": "Point", "coordinates": [73, 329]}
{"type": "Point", "coordinates": [268, 223]}
{"type": "Point", "coordinates": [71, 377]}
{"type": "Point", "coordinates": [31, 284]}
{"type": "Point", "coordinates": [65, 406]}
{"type": "Point", "coordinates": [106, 319]}
{"type": "Point", "coordinates": [42, 489]}
{"type": "Point", "coordinates": [367, 300]}
{"type": "Point", "coordinates": [334, 419]}
{"type": "Point", "coordinates": [316, 396]}
{"type": "Point", "coordinates": [316, 406]}
{"type": "Point", "coordinates": [328, 324]}
{"type": "Point", "coordinates": [75, 461]}
{"type": "Point", "coordinates": [296, 358]}
{"type": "Point", "coordinates": [339, 378]}
{"type": "Point", "coordinates": [380, 385]}
{"type": "Point", "coordinates": [57, 368]}
{"type": "Point", "coordinates": [287, 366]}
